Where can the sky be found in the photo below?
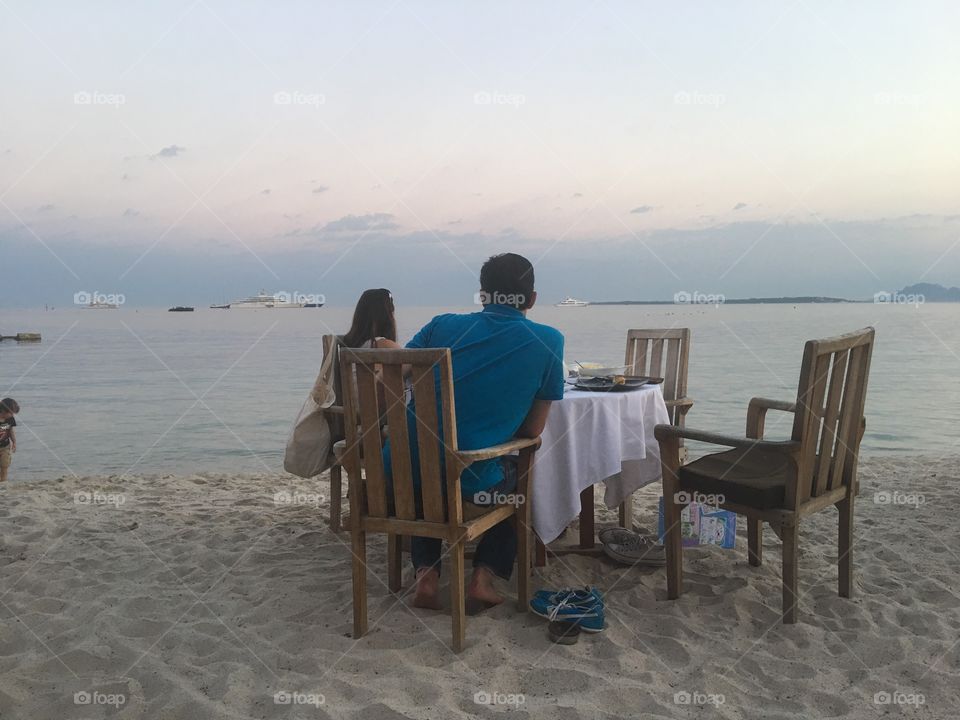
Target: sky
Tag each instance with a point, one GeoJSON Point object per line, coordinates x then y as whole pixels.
{"type": "Point", "coordinates": [198, 151]}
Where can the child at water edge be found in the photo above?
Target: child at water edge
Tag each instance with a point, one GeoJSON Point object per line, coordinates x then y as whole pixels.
{"type": "Point", "coordinates": [8, 438]}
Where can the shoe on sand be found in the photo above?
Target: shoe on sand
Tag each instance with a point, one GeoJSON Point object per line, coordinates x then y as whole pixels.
{"type": "Point", "coordinates": [563, 633]}
{"type": "Point", "coordinates": [639, 550]}
{"type": "Point", "coordinates": [583, 596]}
{"type": "Point", "coordinates": [620, 535]}
{"type": "Point", "coordinates": [583, 608]}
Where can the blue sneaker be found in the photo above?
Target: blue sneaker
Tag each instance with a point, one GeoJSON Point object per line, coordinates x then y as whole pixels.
{"type": "Point", "coordinates": [582, 607]}
{"type": "Point", "coordinates": [579, 595]}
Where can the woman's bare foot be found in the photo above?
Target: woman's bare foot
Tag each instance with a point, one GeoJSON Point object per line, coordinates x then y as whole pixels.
{"type": "Point", "coordinates": [427, 592]}
{"type": "Point", "coordinates": [481, 588]}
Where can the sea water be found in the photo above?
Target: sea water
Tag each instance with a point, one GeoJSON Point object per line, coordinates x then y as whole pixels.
{"type": "Point", "coordinates": [150, 391]}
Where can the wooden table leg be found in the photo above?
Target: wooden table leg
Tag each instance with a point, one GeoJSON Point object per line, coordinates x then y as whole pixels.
{"type": "Point", "coordinates": [586, 518]}
{"type": "Point", "coordinates": [626, 513]}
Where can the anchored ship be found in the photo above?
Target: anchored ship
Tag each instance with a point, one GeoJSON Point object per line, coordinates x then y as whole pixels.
{"type": "Point", "coordinates": [572, 302]}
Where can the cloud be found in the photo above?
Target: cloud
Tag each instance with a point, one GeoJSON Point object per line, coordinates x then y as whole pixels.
{"type": "Point", "coordinates": [640, 210]}
{"type": "Point", "coordinates": [265, 191]}
{"type": "Point", "coordinates": [361, 223]}
{"type": "Point", "coordinates": [797, 258]}
{"type": "Point", "coordinates": [125, 177]}
{"type": "Point", "coordinates": [578, 195]}
{"type": "Point", "coordinates": [170, 151]}
{"type": "Point", "coordinates": [130, 212]}
{"type": "Point", "coordinates": [739, 206]}
{"type": "Point", "coordinates": [455, 222]}
{"type": "Point", "coordinates": [319, 189]}
{"type": "Point", "coordinates": [45, 208]}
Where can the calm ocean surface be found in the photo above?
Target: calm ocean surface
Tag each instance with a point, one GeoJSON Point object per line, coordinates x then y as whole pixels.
{"type": "Point", "coordinates": [148, 391]}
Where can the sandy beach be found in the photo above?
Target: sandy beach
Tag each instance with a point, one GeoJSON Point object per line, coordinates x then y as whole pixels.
{"type": "Point", "coordinates": [214, 597]}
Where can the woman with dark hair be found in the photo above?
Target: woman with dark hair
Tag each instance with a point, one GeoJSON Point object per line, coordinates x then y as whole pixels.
{"type": "Point", "coordinates": [309, 447]}
{"type": "Point", "coordinates": [374, 324]}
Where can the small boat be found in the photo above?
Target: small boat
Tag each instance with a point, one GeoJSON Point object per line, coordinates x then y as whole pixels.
{"type": "Point", "coordinates": [180, 308]}
{"type": "Point", "coordinates": [100, 305]}
{"type": "Point", "coordinates": [572, 302]}
{"type": "Point", "coordinates": [220, 307]}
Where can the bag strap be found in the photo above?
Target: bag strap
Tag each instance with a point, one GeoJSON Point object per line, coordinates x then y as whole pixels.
{"type": "Point", "coordinates": [328, 367]}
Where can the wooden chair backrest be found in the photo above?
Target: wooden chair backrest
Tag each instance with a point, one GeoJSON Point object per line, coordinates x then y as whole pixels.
{"type": "Point", "coordinates": [661, 353]}
{"type": "Point", "coordinates": [829, 414]}
{"type": "Point", "coordinates": [364, 417]}
{"type": "Point", "coordinates": [332, 344]}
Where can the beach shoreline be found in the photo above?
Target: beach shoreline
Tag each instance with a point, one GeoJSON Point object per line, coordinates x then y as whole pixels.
{"type": "Point", "coordinates": [227, 596]}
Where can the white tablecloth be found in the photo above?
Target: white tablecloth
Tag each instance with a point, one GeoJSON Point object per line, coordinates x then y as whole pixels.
{"type": "Point", "coordinates": [593, 437]}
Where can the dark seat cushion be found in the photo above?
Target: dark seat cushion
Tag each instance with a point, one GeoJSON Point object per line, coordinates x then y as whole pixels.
{"type": "Point", "coordinates": [743, 476]}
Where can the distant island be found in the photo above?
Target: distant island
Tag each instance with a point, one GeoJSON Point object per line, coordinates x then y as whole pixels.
{"type": "Point", "coordinates": [929, 292]}
{"type": "Point", "coordinates": [733, 301]}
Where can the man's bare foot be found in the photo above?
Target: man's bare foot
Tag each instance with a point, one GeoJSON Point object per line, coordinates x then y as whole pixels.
{"type": "Point", "coordinates": [427, 593]}
{"type": "Point", "coordinates": [481, 588]}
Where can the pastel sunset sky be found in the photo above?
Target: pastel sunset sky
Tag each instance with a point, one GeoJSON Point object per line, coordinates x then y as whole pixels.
{"type": "Point", "coordinates": [206, 148]}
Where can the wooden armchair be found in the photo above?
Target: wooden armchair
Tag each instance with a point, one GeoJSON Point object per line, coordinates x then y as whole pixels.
{"type": "Point", "coordinates": [645, 356]}
{"type": "Point", "coordinates": [780, 482]}
{"type": "Point", "coordinates": [372, 506]}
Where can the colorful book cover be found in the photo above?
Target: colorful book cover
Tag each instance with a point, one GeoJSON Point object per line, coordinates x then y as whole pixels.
{"type": "Point", "coordinates": [702, 524]}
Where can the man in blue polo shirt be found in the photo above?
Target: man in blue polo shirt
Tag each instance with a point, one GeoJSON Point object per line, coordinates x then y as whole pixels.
{"type": "Point", "coordinates": [506, 371]}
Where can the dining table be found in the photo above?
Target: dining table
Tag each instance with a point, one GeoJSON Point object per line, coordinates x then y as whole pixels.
{"type": "Point", "coordinates": [590, 438]}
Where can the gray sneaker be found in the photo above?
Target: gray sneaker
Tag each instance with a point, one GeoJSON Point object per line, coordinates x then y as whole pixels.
{"type": "Point", "coordinates": [638, 550]}
{"type": "Point", "coordinates": [619, 535]}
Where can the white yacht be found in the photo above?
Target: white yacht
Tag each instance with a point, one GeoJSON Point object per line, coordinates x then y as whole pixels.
{"type": "Point", "coordinates": [572, 302]}
{"type": "Point", "coordinates": [263, 300]}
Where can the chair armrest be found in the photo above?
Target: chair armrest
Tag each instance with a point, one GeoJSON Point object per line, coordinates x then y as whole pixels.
{"type": "Point", "coordinates": [334, 410]}
{"type": "Point", "coordinates": [667, 432]}
{"type": "Point", "coordinates": [682, 406]}
{"type": "Point", "coordinates": [468, 457]}
{"type": "Point", "coordinates": [768, 404]}
{"type": "Point", "coordinates": [757, 414]}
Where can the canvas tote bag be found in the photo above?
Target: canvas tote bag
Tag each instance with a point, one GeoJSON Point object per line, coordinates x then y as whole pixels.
{"type": "Point", "coordinates": [310, 441]}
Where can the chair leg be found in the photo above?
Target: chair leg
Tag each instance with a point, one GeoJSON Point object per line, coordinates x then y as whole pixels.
{"type": "Point", "coordinates": [755, 541]}
{"type": "Point", "coordinates": [524, 561]}
{"type": "Point", "coordinates": [670, 464]}
{"type": "Point", "coordinates": [335, 501]}
{"type": "Point", "coordinates": [394, 562]}
{"type": "Point", "coordinates": [359, 546]}
{"type": "Point", "coordinates": [626, 513]}
{"type": "Point", "coordinates": [674, 547]}
{"type": "Point", "coordinates": [458, 609]}
{"type": "Point", "coordinates": [790, 596]}
{"type": "Point", "coordinates": [845, 548]}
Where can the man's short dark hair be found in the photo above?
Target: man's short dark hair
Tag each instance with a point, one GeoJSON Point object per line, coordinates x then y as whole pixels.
{"type": "Point", "coordinates": [507, 279]}
{"type": "Point", "coordinates": [9, 405]}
